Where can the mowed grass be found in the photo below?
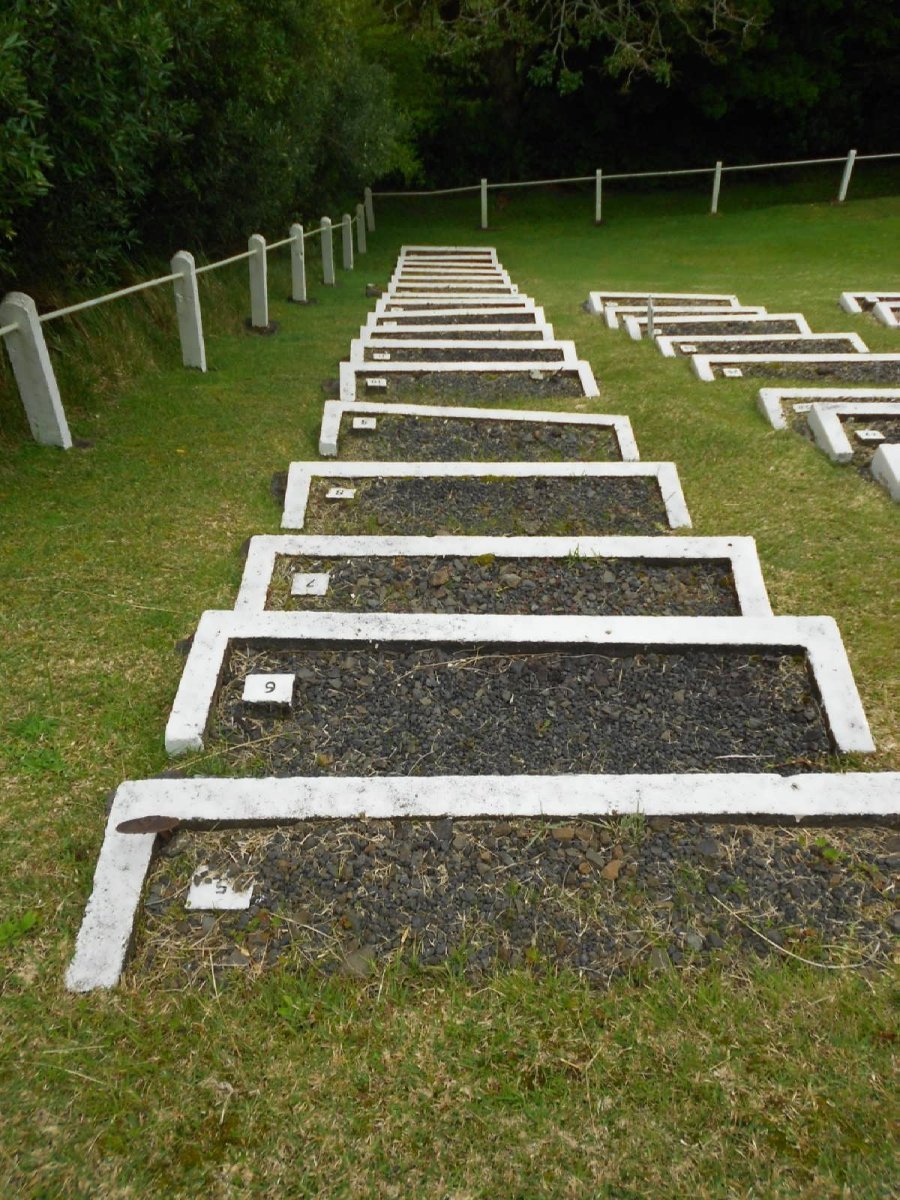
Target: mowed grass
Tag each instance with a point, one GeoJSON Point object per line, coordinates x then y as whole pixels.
{"type": "Point", "coordinates": [734, 1081]}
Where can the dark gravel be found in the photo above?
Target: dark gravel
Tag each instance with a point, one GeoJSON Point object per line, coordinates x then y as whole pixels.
{"type": "Point", "coordinates": [457, 354]}
{"type": "Point", "coordinates": [859, 371]}
{"type": "Point", "coordinates": [444, 710]}
{"type": "Point", "coordinates": [514, 316]}
{"type": "Point", "coordinates": [477, 387]}
{"type": "Point", "coordinates": [835, 345]}
{"type": "Point", "coordinates": [455, 439]}
{"type": "Point", "coordinates": [735, 326]}
{"type": "Point", "coordinates": [453, 333]}
{"type": "Point", "coordinates": [536, 505]}
{"type": "Point", "coordinates": [607, 586]}
{"type": "Point", "coordinates": [605, 898]}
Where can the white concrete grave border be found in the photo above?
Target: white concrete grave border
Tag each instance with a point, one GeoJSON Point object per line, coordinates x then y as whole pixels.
{"type": "Point", "coordinates": [670, 344]}
{"type": "Point", "coordinates": [107, 929]}
{"type": "Point", "coordinates": [381, 315]}
{"type": "Point", "coordinates": [636, 323]}
{"type": "Point", "coordinates": [886, 468]}
{"type": "Point", "coordinates": [818, 637]}
{"type": "Point", "coordinates": [565, 350]}
{"type": "Point", "coordinates": [413, 272]}
{"type": "Point", "coordinates": [704, 365]}
{"type": "Point", "coordinates": [739, 552]}
{"type": "Point", "coordinates": [301, 475]}
{"type": "Point", "coordinates": [887, 312]}
{"type": "Point", "coordinates": [771, 401]}
{"type": "Point", "coordinates": [597, 301]}
{"type": "Point", "coordinates": [856, 302]}
{"type": "Point", "coordinates": [348, 372]}
{"type": "Point", "coordinates": [825, 424]}
{"type": "Point", "coordinates": [450, 304]}
{"type": "Point", "coordinates": [612, 312]}
{"type": "Point", "coordinates": [393, 330]}
{"type": "Point", "coordinates": [335, 410]}
{"type": "Point", "coordinates": [412, 248]}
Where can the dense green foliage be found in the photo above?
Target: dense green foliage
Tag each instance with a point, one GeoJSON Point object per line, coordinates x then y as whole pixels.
{"type": "Point", "coordinates": [160, 122]}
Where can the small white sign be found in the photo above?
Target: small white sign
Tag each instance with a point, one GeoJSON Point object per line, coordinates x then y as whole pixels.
{"type": "Point", "coordinates": [309, 585]}
{"type": "Point", "coordinates": [339, 493]}
{"type": "Point", "coordinates": [269, 689]}
{"type": "Point", "coordinates": [537, 375]}
{"type": "Point", "coordinates": [219, 894]}
{"type": "Point", "coordinates": [381, 356]}
{"type": "Point", "coordinates": [870, 435]}
{"type": "Point", "coordinates": [364, 423]}
{"type": "Point", "coordinates": [390, 325]}
{"type": "Point", "coordinates": [376, 383]}
{"type": "Point", "coordinates": [687, 348]}
{"type": "Point", "coordinates": [732, 372]}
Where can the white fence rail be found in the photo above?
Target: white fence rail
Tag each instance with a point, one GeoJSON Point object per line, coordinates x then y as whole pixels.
{"type": "Point", "coordinates": [600, 177]}
{"type": "Point", "coordinates": [20, 322]}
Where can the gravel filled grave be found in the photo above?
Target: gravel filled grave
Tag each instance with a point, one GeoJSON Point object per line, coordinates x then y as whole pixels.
{"type": "Point", "coordinates": [863, 452]}
{"type": "Point", "coordinates": [734, 326]}
{"type": "Point", "coordinates": [444, 504]}
{"type": "Point", "coordinates": [605, 898]}
{"type": "Point", "coordinates": [456, 439]}
{"type": "Point", "coordinates": [859, 371]}
{"type": "Point", "coordinates": [835, 345]}
{"type": "Point", "coordinates": [523, 333]}
{"type": "Point", "coordinates": [446, 710]}
{"type": "Point", "coordinates": [475, 387]}
{"type": "Point", "coordinates": [458, 354]}
{"type": "Point", "coordinates": [487, 584]}
{"type": "Point", "coordinates": [513, 316]}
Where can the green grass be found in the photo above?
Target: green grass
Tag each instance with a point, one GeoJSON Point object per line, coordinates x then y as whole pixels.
{"type": "Point", "coordinates": [720, 1083]}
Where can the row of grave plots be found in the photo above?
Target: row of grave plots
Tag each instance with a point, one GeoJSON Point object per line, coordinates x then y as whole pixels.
{"type": "Point", "coordinates": [883, 306]}
{"type": "Point", "coordinates": [725, 339]}
{"type": "Point", "coordinates": [476, 611]}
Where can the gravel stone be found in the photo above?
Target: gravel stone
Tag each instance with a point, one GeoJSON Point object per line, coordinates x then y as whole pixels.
{"type": "Point", "coordinates": [489, 505]}
{"type": "Point", "coordinates": [455, 439]}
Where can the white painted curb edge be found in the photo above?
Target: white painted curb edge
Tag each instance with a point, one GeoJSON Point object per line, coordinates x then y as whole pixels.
{"type": "Point", "coordinates": [107, 928]}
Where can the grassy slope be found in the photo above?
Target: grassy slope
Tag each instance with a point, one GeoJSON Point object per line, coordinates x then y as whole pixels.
{"type": "Point", "coordinates": [711, 1086]}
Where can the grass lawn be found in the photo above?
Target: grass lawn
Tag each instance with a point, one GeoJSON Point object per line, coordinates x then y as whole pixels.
{"type": "Point", "coordinates": [742, 1079]}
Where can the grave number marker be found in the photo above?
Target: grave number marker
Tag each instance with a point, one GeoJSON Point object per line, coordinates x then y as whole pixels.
{"type": "Point", "coordinates": [269, 689]}
{"type": "Point", "coordinates": [870, 435]}
{"type": "Point", "coordinates": [364, 423]}
{"type": "Point", "coordinates": [309, 585]}
{"type": "Point", "coordinates": [340, 493]}
{"type": "Point", "coordinates": [732, 372]}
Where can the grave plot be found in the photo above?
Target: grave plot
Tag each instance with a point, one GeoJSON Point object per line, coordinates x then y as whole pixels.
{"type": "Point", "coordinates": [563, 498]}
{"type": "Point", "coordinates": [597, 301]}
{"type": "Point", "coordinates": [615, 576]}
{"type": "Point", "coordinates": [435, 290]}
{"type": "Point", "coordinates": [613, 312]}
{"type": "Point", "coordinates": [448, 274]}
{"type": "Point", "coordinates": [432, 433]}
{"type": "Point", "coordinates": [887, 312]}
{"type": "Point", "coordinates": [457, 350]}
{"type": "Point", "coordinates": [458, 330]}
{"type": "Point", "coordinates": [452, 382]}
{"type": "Point", "coordinates": [448, 855]}
{"type": "Point", "coordinates": [855, 302]}
{"type": "Point", "coordinates": [671, 346]}
{"type": "Point", "coordinates": [467, 318]}
{"type": "Point", "coordinates": [427, 303]}
{"type": "Point", "coordinates": [768, 690]}
{"type": "Point", "coordinates": [713, 323]}
{"type": "Point", "coordinates": [771, 402]}
{"type": "Point", "coordinates": [849, 432]}
{"type": "Point", "coordinates": [854, 368]}
{"type": "Point", "coordinates": [886, 468]}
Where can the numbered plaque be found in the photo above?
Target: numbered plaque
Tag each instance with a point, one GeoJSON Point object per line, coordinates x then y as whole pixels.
{"type": "Point", "coordinates": [340, 493]}
{"type": "Point", "coordinates": [309, 585]}
{"type": "Point", "coordinates": [364, 423]}
{"type": "Point", "coordinates": [870, 435]}
{"type": "Point", "coordinates": [381, 356]}
{"type": "Point", "coordinates": [732, 372]}
{"type": "Point", "coordinates": [219, 894]}
{"type": "Point", "coordinates": [274, 690]}
{"type": "Point", "coordinates": [376, 383]}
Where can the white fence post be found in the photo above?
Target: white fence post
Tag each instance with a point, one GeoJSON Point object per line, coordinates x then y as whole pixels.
{"type": "Point", "coordinates": [717, 184]}
{"type": "Point", "coordinates": [298, 265]}
{"type": "Point", "coordinates": [484, 213]}
{"type": "Point", "coordinates": [361, 228]}
{"type": "Point", "coordinates": [598, 199]}
{"type": "Point", "coordinates": [33, 370]}
{"type": "Point", "coordinates": [187, 308]}
{"type": "Point", "coordinates": [347, 242]}
{"type": "Point", "coordinates": [845, 178]}
{"type": "Point", "coordinates": [327, 252]}
{"type": "Point", "coordinates": [370, 209]}
{"type": "Point", "coordinates": [259, 292]}
{"type": "Point", "coordinates": [651, 329]}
